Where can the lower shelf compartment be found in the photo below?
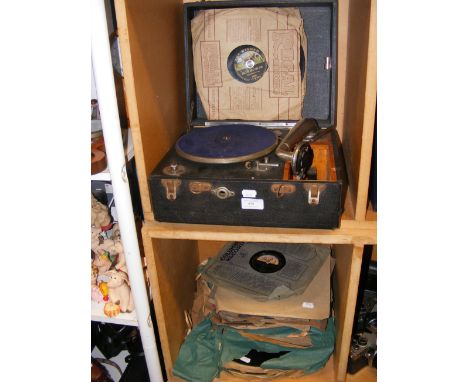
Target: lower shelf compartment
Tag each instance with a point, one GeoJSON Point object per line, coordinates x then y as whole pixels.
{"type": "Point", "coordinates": [172, 266]}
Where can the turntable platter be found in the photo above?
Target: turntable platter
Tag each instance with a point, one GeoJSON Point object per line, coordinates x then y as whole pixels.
{"type": "Point", "coordinates": [226, 143]}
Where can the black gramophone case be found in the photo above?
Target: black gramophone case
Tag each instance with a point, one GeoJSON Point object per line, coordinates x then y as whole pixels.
{"type": "Point", "coordinates": [258, 194]}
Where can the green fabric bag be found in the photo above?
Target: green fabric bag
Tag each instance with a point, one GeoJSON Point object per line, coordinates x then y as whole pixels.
{"type": "Point", "coordinates": [208, 347]}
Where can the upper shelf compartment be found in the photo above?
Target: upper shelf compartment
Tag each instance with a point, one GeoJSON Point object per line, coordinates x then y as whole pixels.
{"type": "Point", "coordinates": [155, 100]}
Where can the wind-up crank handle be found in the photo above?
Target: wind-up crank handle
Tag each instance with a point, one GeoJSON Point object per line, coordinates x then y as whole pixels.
{"type": "Point", "coordinates": [300, 155]}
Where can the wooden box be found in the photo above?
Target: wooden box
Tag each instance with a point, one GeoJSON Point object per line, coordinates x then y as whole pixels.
{"type": "Point", "coordinates": [175, 265]}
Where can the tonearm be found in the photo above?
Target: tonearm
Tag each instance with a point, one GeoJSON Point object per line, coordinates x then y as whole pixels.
{"type": "Point", "coordinates": [293, 147]}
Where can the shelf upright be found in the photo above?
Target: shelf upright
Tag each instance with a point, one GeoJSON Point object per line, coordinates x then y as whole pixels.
{"type": "Point", "coordinates": [102, 63]}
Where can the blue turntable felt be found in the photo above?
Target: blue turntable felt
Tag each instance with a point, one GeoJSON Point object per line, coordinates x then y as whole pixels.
{"type": "Point", "coordinates": [226, 143]}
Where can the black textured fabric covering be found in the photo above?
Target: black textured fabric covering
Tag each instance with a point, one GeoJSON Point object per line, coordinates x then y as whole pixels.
{"type": "Point", "coordinates": [320, 28]}
{"type": "Point", "coordinates": [290, 210]}
{"type": "Point", "coordinates": [317, 22]}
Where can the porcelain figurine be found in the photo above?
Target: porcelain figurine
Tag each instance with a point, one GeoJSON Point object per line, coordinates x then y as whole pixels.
{"type": "Point", "coordinates": [119, 290]}
{"type": "Point", "coordinates": [99, 214]}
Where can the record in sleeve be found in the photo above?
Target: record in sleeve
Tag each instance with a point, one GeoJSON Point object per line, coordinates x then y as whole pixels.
{"type": "Point", "coordinates": [247, 64]}
{"type": "Point", "coordinates": [266, 271]}
{"type": "Point", "coordinates": [267, 261]}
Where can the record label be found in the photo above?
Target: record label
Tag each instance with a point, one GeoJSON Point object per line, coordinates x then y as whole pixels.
{"type": "Point", "coordinates": [267, 261]}
{"type": "Point", "coordinates": [247, 63]}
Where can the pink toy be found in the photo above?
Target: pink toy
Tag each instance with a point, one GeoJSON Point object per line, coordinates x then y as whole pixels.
{"type": "Point", "coordinates": [96, 294]}
{"type": "Point", "coordinates": [119, 290]}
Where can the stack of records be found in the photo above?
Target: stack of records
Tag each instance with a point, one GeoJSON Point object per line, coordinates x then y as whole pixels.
{"type": "Point", "coordinates": [261, 310]}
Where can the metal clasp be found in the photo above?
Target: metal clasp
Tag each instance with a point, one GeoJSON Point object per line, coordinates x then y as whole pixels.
{"type": "Point", "coordinates": [313, 193]}
{"type": "Point", "coordinates": [171, 186]}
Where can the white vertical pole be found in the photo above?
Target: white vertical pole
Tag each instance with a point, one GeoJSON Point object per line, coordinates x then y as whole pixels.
{"type": "Point", "coordinates": [102, 63]}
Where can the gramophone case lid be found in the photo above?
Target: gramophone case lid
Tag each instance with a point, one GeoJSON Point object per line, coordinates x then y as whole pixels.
{"type": "Point", "coordinates": [246, 62]}
{"type": "Point", "coordinates": [319, 20]}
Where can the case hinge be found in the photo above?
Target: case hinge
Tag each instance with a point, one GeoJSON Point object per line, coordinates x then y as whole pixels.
{"type": "Point", "coordinates": [281, 189]}
{"type": "Point", "coordinates": [199, 187]}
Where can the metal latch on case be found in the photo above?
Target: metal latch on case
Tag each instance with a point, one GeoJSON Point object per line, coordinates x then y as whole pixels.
{"type": "Point", "coordinates": [221, 192]}
{"type": "Point", "coordinates": [281, 189]}
{"type": "Point", "coordinates": [313, 193]}
{"type": "Point", "coordinates": [171, 186]}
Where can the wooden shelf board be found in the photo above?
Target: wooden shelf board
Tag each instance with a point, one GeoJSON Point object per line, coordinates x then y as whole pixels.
{"type": "Point", "coordinates": [350, 232]}
{"type": "Point", "coordinates": [367, 374]}
{"type": "Point", "coordinates": [327, 374]}
{"type": "Point", "coordinates": [104, 175]}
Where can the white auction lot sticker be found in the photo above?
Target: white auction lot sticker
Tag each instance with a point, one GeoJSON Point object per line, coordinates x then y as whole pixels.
{"type": "Point", "coordinates": [249, 193]}
{"type": "Point", "coordinates": [252, 204]}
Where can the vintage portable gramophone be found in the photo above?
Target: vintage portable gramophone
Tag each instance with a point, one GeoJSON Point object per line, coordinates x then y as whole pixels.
{"type": "Point", "coordinates": [282, 173]}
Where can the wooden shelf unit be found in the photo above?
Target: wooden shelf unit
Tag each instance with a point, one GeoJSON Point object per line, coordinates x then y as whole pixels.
{"type": "Point", "coordinates": [151, 38]}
